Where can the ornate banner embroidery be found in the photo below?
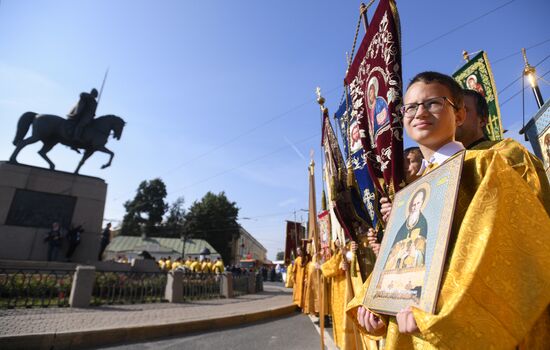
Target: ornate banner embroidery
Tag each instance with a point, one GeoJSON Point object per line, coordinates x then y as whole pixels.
{"type": "Point", "coordinates": [375, 86]}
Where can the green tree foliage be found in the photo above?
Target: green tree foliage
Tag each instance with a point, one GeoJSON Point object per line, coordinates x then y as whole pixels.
{"type": "Point", "coordinates": [174, 225]}
{"type": "Point", "coordinates": [144, 213]}
{"type": "Point", "coordinates": [280, 256]}
{"type": "Point", "coordinates": [214, 219]}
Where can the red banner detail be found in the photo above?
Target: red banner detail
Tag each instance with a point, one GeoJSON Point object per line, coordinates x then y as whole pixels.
{"type": "Point", "coordinates": [375, 85]}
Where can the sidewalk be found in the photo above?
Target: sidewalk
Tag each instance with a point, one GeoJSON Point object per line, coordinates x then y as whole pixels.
{"type": "Point", "coordinates": [63, 328]}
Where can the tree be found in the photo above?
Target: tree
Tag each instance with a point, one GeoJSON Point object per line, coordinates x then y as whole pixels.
{"type": "Point", "coordinates": [144, 213]}
{"type": "Point", "coordinates": [280, 256]}
{"type": "Point", "coordinates": [175, 221]}
{"type": "Point", "coordinates": [214, 219]}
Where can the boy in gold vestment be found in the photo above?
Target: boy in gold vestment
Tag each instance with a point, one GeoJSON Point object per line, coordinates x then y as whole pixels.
{"type": "Point", "coordinates": [495, 289]}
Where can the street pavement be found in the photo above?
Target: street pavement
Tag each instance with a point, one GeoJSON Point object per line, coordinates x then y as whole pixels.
{"type": "Point", "coordinates": [63, 328]}
{"type": "Point", "coordinates": [290, 332]}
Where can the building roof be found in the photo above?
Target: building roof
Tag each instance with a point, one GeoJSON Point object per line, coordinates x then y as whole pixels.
{"type": "Point", "coordinates": [158, 245]}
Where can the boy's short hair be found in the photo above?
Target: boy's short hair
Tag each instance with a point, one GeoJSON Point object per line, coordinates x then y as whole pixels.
{"type": "Point", "coordinates": [435, 77]}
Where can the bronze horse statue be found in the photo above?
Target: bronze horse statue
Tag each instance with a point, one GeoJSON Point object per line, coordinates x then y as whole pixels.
{"type": "Point", "coordinates": [51, 130]}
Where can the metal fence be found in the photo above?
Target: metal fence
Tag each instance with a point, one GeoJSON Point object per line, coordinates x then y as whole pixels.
{"type": "Point", "coordinates": [28, 287]}
{"type": "Point", "coordinates": [201, 286]}
{"type": "Point", "coordinates": [46, 287]}
{"type": "Point", "coordinates": [240, 284]}
{"type": "Point", "coordinates": [259, 283]}
{"type": "Point", "coordinates": [128, 287]}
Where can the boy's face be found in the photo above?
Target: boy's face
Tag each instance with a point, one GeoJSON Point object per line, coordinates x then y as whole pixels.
{"type": "Point", "coordinates": [427, 129]}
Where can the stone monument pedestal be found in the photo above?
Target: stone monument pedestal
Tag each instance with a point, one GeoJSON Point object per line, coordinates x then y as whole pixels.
{"type": "Point", "coordinates": [32, 198]}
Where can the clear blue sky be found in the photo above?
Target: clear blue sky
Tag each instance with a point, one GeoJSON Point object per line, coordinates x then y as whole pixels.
{"type": "Point", "coordinates": [219, 95]}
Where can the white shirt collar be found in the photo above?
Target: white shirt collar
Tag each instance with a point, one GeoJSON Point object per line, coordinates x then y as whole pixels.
{"type": "Point", "coordinates": [442, 154]}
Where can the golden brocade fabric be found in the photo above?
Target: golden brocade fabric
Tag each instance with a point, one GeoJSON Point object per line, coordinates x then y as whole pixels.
{"type": "Point", "coordinates": [311, 295]}
{"type": "Point", "coordinates": [528, 166]}
{"type": "Point", "coordinates": [299, 277]}
{"type": "Point", "coordinates": [496, 284]}
{"type": "Point", "coordinates": [331, 269]}
{"type": "Point", "coordinates": [289, 283]}
{"type": "Point", "coordinates": [345, 332]}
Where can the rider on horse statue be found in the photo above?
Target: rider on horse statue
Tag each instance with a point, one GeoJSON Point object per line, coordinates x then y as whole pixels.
{"type": "Point", "coordinates": [83, 112]}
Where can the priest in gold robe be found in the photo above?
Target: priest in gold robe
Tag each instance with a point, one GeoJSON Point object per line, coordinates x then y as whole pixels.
{"type": "Point", "coordinates": [311, 293]}
{"type": "Point", "coordinates": [289, 283]}
{"type": "Point", "coordinates": [343, 288]}
{"type": "Point", "coordinates": [299, 278]}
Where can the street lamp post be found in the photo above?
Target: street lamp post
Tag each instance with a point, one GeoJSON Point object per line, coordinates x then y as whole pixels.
{"type": "Point", "coordinates": [531, 74]}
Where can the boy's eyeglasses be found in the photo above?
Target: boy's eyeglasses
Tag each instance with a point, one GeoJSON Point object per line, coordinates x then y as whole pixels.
{"type": "Point", "coordinates": [433, 105]}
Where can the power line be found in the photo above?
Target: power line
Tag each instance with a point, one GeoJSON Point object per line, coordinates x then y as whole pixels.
{"type": "Point", "coordinates": [245, 163]}
{"type": "Point", "coordinates": [519, 92]}
{"type": "Point", "coordinates": [518, 78]}
{"type": "Point", "coordinates": [518, 52]}
{"type": "Point", "coordinates": [458, 27]}
{"type": "Point", "coordinates": [247, 132]}
{"type": "Point", "coordinates": [139, 205]}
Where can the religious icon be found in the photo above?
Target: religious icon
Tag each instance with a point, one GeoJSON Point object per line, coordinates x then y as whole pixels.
{"type": "Point", "coordinates": [472, 84]}
{"type": "Point", "coordinates": [377, 110]}
{"type": "Point", "coordinates": [324, 233]}
{"type": "Point", "coordinates": [544, 141]}
{"type": "Point", "coordinates": [411, 259]}
{"type": "Point", "coordinates": [354, 137]}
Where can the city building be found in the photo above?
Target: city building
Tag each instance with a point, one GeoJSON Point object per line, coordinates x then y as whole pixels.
{"type": "Point", "coordinates": [247, 247]}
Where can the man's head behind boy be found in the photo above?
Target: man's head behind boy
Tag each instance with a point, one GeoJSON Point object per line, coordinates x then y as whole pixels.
{"type": "Point", "coordinates": [433, 107]}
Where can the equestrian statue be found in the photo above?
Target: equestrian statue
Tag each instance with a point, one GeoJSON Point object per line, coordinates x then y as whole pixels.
{"type": "Point", "coordinates": [81, 130]}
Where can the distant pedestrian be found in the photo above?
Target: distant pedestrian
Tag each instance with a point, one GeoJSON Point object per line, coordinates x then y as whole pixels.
{"type": "Point", "coordinates": [273, 276]}
{"type": "Point", "coordinates": [105, 240]}
{"type": "Point", "coordinates": [54, 239]}
{"type": "Point", "coordinates": [73, 237]}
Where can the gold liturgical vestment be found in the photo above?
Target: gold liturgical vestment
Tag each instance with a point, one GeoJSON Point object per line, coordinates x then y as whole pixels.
{"type": "Point", "coordinates": [299, 278]}
{"type": "Point", "coordinates": [312, 302]}
{"type": "Point", "coordinates": [344, 330]}
{"type": "Point", "coordinates": [528, 166]}
{"type": "Point", "coordinates": [496, 284]}
{"type": "Point", "coordinates": [289, 283]}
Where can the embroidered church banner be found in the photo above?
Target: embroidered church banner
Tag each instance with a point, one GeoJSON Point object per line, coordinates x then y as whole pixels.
{"type": "Point", "coordinates": [375, 85]}
{"type": "Point", "coordinates": [356, 159]}
{"type": "Point", "coordinates": [477, 75]}
{"type": "Point", "coordinates": [295, 232]}
{"type": "Point", "coordinates": [345, 202]}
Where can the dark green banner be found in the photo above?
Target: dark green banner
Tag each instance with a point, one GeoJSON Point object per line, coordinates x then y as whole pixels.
{"type": "Point", "coordinates": [476, 75]}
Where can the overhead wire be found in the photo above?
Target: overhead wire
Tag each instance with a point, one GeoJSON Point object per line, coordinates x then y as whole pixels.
{"type": "Point", "coordinates": [458, 27]}
{"type": "Point", "coordinates": [518, 78]}
{"type": "Point", "coordinates": [247, 132]}
{"type": "Point", "coordinates": [245, 163]}
{"type": "Point", "coordinates": [265, 155]}
{"type": "Point", "coordinates": [251, 130]}
{"type": "Point", "coordinates": [518, 52]}
{"type": "Point", "coordinates": [522, 89]}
